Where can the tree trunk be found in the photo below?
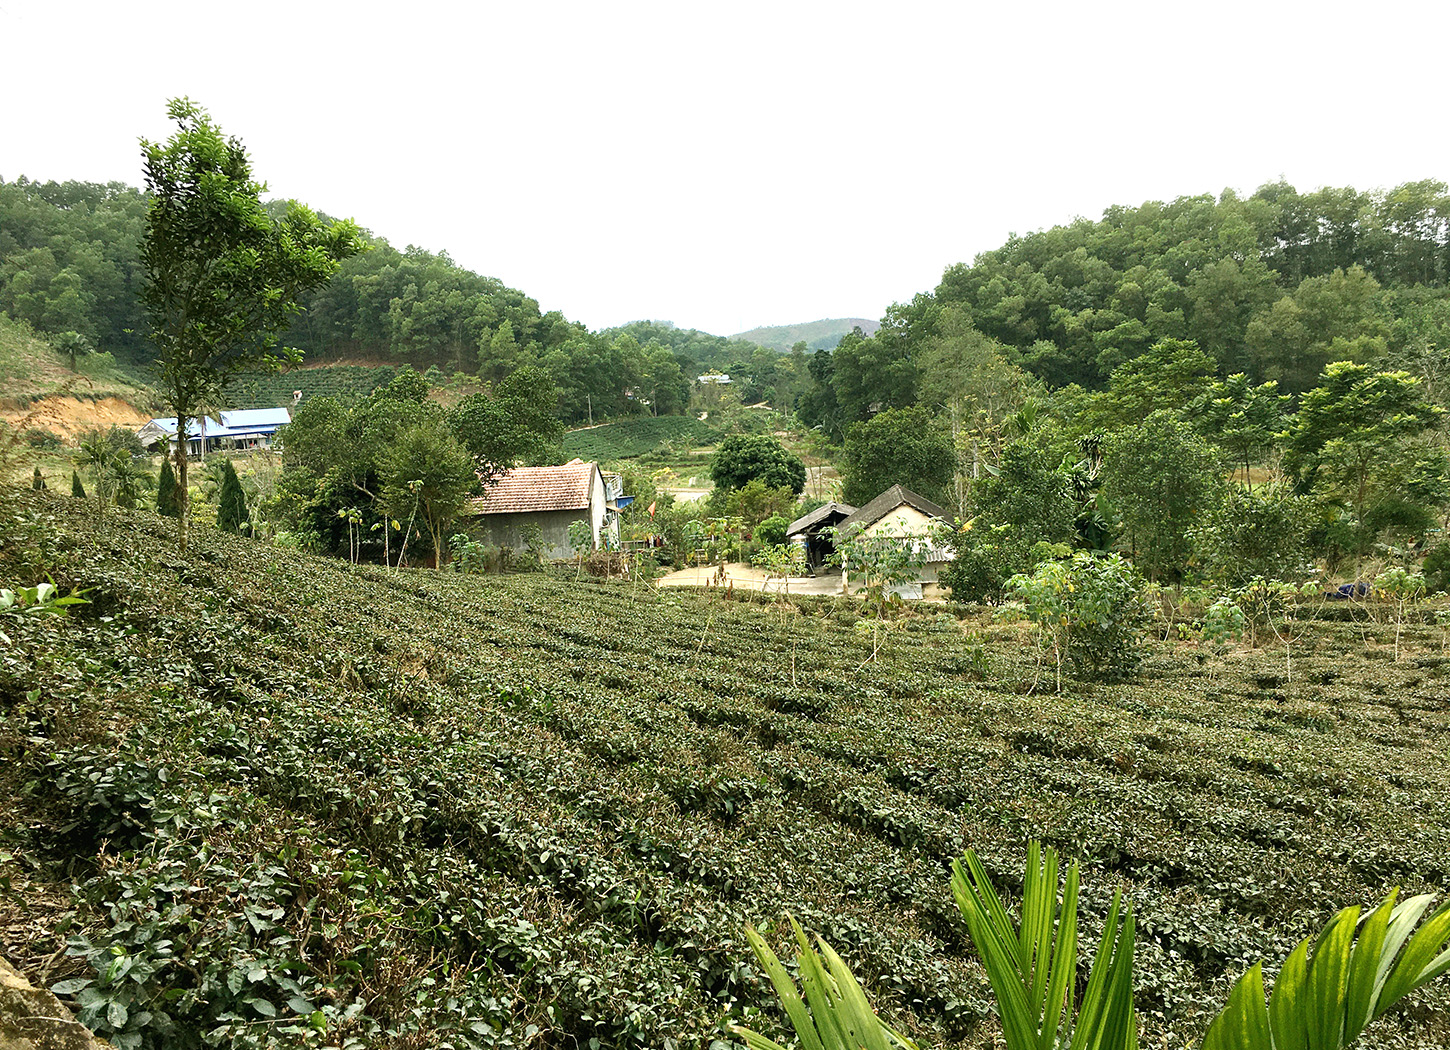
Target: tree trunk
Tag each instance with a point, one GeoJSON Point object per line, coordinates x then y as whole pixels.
{"type": "Point", "coordinates": [183, 496]}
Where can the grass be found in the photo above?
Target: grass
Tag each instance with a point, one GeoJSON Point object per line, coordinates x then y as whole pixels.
{"type": "Point", "coordinates": [31, 369]}
{"type": "Point", "coordinates": [411, 807]}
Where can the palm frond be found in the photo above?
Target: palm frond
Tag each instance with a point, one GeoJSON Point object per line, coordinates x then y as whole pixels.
{"type": "Point", "coordinates": [1336, 983]}
{"type": "Point", "coordinates": [830, 1011]}
{"type": "Point", "coordinates": [1032, 968]}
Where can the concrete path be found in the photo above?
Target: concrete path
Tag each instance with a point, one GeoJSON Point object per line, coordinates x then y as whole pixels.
{"type": "Point", "coordinates": [748, 577]}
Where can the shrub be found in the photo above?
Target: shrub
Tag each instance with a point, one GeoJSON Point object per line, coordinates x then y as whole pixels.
{"type": "Point", "coordinates": [166, 502]}
{"type": "Point", "coordinates": [771, 531]}
{"type": "Point", "coordinates": [1223, 621]}
{"type": "Point", "coordinates": [232, 504]}
{"type": "Point", "coordinates": [42, 438]}
{"type": "Point", "coordinates": [1255, 534]}
{"type": "Point", "coordinates": [468, 555]}
{"type": "Point", "coordinates": [987, 558]}
{"type": "Point", "coordinates": [1437, 567]}
{"type": "Point", "coordinates": [1091, 609]}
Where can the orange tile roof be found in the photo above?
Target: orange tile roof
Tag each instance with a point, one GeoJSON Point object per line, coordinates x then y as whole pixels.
{"type": "Point", "coordinates": [531, 490]}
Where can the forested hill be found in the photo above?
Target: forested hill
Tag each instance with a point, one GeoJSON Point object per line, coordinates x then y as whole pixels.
{"type": "Point", "coordinates": [1275, 285]}
{"type": "Point", "coordinates": [817, 335]}
{"type": "Point", "coordinates": [70, 261]}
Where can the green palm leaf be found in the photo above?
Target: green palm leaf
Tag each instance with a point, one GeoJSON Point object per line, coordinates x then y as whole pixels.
{"type": "Point", "coordinates": [830, 1012]}
{"type": "Point", "coordinates": [1033, 968]}
{"type": "Point", "coordinates": [1334, 984]}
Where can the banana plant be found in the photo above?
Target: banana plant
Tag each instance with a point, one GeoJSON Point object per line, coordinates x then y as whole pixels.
{"type": "Point", "coordinates": [1334, 984]}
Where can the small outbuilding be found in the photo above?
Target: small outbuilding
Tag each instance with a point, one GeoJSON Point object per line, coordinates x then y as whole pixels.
{"type": "Point", "coordinates": [813, 532]}
{"type": "Point", "coordinates": [553, 498]}
{"type": "Point", "coordinates": [900, 513]}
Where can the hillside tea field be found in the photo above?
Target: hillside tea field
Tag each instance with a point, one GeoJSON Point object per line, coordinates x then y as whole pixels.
{"type": "Point", "coordinates": [347, 383]}
{"type": "Point", "coordinates": [635, 437]}
{"type": "Point", "coordinates": [269, 799]}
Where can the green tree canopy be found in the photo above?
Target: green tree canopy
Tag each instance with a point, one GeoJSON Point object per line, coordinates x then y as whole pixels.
{"type": "Point", "coordinates": [1243, 420]}
{"type": "Point", "coordinates": [902, 446]}
{"type": "Point", "coordinates": [222, 278]}
{"type": "Point", "coordinates": [517, 423]}
{"type": "Point", "coordinates": [1161, 477]}
{"type": "Point", "coordinates": [1171, 375]}
{"type": "Point", "coordinates": [743, 458]}
{"type": "Point", "coordinates": [1355, 433]}
{"type": "Point", "coordinates": [427, 472]}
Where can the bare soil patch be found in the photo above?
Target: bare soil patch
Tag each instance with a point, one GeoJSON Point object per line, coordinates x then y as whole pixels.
{"type": "Point", "coordinates": [71, 417]}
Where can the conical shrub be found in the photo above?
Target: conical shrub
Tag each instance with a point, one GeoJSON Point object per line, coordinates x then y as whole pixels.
{"type": "Point", "coordinates": [231, 512]}
{"type": "Point", "coordinates": [166, 501]}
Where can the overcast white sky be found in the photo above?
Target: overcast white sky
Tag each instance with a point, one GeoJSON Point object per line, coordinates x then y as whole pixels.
{"type": "Point", "coordinates": [724, 166]}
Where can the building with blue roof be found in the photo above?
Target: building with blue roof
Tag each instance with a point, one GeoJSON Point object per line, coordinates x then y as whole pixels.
{"type": "Point", "coordinates": [240, 429]}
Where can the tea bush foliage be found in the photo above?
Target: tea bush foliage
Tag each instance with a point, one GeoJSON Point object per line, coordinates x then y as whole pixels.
{"type": "Point", "coordinates": [261, 798]}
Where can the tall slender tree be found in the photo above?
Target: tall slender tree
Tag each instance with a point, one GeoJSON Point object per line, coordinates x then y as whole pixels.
{"type": "Point", "coordinates": [222, 278]}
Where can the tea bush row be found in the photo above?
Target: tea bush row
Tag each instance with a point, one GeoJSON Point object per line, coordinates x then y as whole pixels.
{"type": "Point", "coordinates": [493, 812]}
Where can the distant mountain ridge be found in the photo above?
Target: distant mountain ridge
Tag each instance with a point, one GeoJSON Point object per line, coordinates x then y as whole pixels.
{"type": "Point", "coordinates": [818, 335]}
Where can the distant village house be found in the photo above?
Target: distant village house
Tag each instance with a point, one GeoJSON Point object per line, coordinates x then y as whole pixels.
{"type": "Point", "coordinates": [899, 512]}
{"type": "Point", "coordinates": [240, 430]}
{"type": "Point", "coordinates": [552, 498]}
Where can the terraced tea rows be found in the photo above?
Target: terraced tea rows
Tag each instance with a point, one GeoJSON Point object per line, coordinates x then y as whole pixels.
{"type": "Point", "coordinates": [413, 808]}
{"type": "Point", "coordinates": [348, 383]}
{"type": "Point", "coordinates": [630, 438]}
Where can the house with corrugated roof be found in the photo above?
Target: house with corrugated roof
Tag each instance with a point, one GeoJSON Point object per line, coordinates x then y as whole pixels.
{"type": "Point", "coordinates": [252, 428]}
{"type": "Point", "coordinates": [240, 429]}
{"type": "Point", "coordinates": [553, 498]}
{"type": "Point", "coordinates": [902, 515]}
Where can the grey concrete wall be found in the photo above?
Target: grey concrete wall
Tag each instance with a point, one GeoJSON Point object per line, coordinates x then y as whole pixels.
{"type": "Point", "coordinates": [507, 530]}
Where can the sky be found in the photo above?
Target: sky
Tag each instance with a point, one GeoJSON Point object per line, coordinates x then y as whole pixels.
{"type": "Point", "coordinates": [724, 166]}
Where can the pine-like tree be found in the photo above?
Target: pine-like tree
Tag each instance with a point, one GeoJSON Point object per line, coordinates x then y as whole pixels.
{"type": "Point", "coordinates": [76, 488]}
{"type": "Point", "coordinates": [166, 502]}
{"type": "Point", "coordinates": [231, 512]}
{"type": "Point", "coordinates": [37, 482]}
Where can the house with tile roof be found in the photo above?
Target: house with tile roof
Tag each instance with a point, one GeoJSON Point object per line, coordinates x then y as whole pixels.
{"type": "Point", "coordinates": [552, 498]}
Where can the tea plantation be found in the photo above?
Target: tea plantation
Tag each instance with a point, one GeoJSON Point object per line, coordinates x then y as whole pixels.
{"type": "Point", "coordinates": [635, 437]}
{"type": "Point", "coordinates": [347, 383]}
{"type": "Point", "coordinates": [259, 798]}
